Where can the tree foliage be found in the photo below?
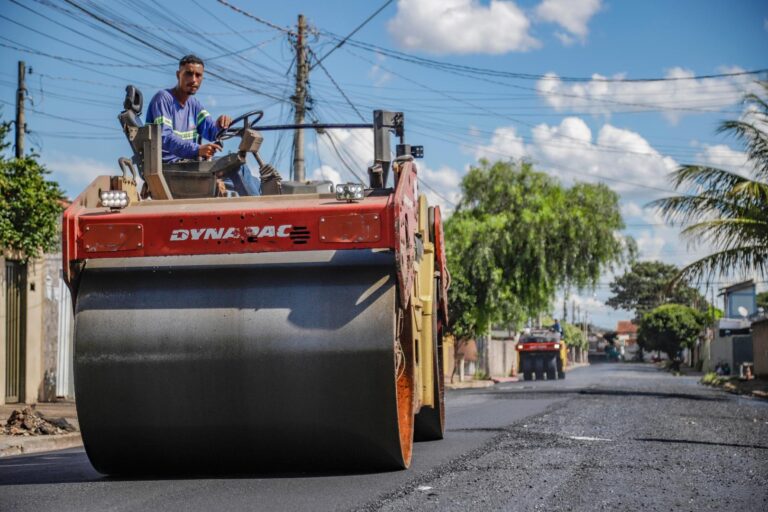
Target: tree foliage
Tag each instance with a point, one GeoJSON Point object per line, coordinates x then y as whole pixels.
{"type": "Point", "coordinates": [517, 236]}
{"type": "Point", "coordinates": [762, 300]}
{"type": "Point", "coordinates": [669, 328]}
{"type": "Point", "coordinates": [29, 205]}
{"type": "Point", "coordinates": [574, 337]}
{"type": "Point", "coordinates": [728, 210]}
{"type": "Point", "coordinates": [645, 286]}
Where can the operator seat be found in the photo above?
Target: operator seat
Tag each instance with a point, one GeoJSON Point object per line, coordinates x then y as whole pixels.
{"type": "Point", "coordinates": [178, 180]}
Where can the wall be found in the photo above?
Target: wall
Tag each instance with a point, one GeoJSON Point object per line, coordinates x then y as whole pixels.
{"type": "Point", "coordinates": [33, 382]}
{"type": "Point", "coordinates": [42, 329]}
{"type": "Point", "coordinates": [760, 347]}
{"type": "Point", "coordinates": [502, 357]}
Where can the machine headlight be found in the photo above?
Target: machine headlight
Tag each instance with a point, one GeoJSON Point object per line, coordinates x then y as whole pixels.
{"type": "Point", "coordinates": [349, 191]}
{"type": "Point", "coordinates": [114, 198]}
{"type": "Point", "coordinates": [557, 345]}
{"type": "Point", "coordinates": [518, 347]}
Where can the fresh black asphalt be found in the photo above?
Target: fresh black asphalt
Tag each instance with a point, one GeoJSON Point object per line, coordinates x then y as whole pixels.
{"type": "Point", "coordinates": [609, 437]}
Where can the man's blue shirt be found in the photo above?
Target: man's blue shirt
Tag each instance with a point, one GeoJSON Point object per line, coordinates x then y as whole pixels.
{"type": "Point", "coordinates": [181, 125]}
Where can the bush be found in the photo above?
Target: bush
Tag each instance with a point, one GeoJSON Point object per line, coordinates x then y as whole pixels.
{"type": "Point", "coordinates": [29, 205]}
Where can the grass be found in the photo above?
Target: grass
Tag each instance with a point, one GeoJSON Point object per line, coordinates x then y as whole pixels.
{"type": "Point", "coordinates": [756, 387]}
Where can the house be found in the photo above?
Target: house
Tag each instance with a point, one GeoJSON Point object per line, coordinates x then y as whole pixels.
{"type": "Point", "coordinates": [732, 342]}
{"type": "Point", "coordinates": [626, 333]}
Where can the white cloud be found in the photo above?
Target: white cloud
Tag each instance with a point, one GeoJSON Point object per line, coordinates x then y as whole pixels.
{"type": "Point", "coordinates": [650, 245]}
{"type": "Point", "coordinates": [674, 98]}
{"type": "Point", "coordinates": [566, 39]}
{"type": "Point", "coordinates": [461, 26]}
{"type": "Point", "coordinates": [572, 15]}
{"type": "Point", "coordinates": [442, 186]}
{"type": "Point", "coordinates": [74, 173]}
{"type": "Point", "coordinates": [586, 304]}
{"type": "Point", "coordinates": [569, 151]}
{"type": "Point", "coordinates": [326, 172]}
{"type": "Point", "coordinates": [377, 74]}
{"type": "Point", "coordinates": [505, 141]}
{"type": "Point", "coordinates": [723, 157]}
{"type": "Point", "coordinates": [631, 209]}
{"type": "Point", "coordinates": [342, 150]}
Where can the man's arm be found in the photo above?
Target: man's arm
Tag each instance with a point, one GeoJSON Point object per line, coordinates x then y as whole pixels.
{"type": "Point", "coordinates": [207, 128]}
{"type": "Point", "coordinates": [159, 112]}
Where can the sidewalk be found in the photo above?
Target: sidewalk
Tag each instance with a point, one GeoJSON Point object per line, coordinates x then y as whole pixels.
{"type": "Point", "coordinates": [472, 384]}
{"type": "Point", "coordinates": [17, 445]}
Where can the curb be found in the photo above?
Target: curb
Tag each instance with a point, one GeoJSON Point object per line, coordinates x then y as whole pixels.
{"type": "Point", "coordinates": [472, 384]}
{"type": "Point", "coordinates": [20, 445]}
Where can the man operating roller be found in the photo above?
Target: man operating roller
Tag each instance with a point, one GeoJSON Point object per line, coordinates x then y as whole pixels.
{"type": "Point", "coordinates": [184, 121]}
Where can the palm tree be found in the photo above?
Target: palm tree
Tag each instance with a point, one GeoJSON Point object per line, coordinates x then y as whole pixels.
{"type": "Point", "coordinates": [726, 209]}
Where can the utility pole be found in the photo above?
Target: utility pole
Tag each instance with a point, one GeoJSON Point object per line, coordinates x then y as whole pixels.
{"type": "Point", "coordinates": [21, 124]}
{"type": "Point", "coordinates": [565, 309]}
{"type": "Point", "coordinates": [299, 98]}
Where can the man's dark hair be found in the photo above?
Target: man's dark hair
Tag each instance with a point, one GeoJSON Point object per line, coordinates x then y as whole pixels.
{"type": "Point", "coordinates": [190, 59]}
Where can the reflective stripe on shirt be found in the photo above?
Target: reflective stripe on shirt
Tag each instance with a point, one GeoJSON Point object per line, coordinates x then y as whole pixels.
{"type": "Point", "coordinates": [202, 115]}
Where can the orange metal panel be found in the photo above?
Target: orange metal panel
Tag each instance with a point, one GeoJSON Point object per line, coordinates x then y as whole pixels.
{"type": "Point", "coordinates": [350, 228]}
{"type": "Point", "coordinates": [112, 237]}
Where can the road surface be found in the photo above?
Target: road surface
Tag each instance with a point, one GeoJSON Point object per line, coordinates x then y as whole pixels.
{"type": "Point", "coordinates": [609, 437]}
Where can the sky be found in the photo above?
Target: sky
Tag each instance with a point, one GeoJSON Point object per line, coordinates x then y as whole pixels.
{"type": "Point", "coordinates": [561, 83]}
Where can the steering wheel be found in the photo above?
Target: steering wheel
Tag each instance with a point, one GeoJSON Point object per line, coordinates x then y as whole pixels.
{"type": "Point", "coordinates": [232, 131]}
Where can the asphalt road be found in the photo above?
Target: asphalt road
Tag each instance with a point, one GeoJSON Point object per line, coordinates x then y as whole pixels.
{"type": "Point", "coordinates": [609, 437]}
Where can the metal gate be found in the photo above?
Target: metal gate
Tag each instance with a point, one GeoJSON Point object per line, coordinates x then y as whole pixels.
{"type": "Point", "coordinates": [15, 329]}
{"type": "Point", "coordinates": [742, 351]}
{"type": "Point", "coordinates": [65, 384]}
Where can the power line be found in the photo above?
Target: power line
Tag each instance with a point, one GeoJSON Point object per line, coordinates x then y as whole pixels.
{"type": "Point", "coordinates": [62, 118]}
{"type": "Point", "coordinates": [78, 61]}
{"type": "Point", "coordinates": [256, 18]}
{"type": "Point", "coordinates": [345, 39]}
{"type": "Point", "coordinates": [338, 87]}
{"type": "Point", "coordinates": [526, 76]}
{"type": "Point", "coordinates": [169, 54]}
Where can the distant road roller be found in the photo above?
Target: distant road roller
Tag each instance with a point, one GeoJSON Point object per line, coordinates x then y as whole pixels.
{"type": "Point", "coordinates": [300, 329]}
{"type": "Point", "coordinates": [542, 352]}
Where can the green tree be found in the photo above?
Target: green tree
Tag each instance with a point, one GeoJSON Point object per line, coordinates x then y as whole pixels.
{"type": "Point", "coordinates": [669, 328]}
{"type": "Point", "coordinates": [727, 209]}
{"type": "Point", "coordinates": [762, 300]}
{"type": "Point", "coordinates": [30, 205]}
{"type": "Point", "coordinates": [645, 286]}
{"type": "Point", "coordinates": [574, 337]}
{"type": "Point", "coordinates": [517, 236]}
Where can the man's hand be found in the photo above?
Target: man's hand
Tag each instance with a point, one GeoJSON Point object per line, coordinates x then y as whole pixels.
{"type": "Point", "coordinates": [206, 151]}
{"type": "Point", "coordinates": [223, 121]}
{"type": "Point", "coordinates": [221, 188]}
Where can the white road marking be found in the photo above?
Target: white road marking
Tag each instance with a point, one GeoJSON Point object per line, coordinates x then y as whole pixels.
{"type": "Point", "coordinates": [585, 438]}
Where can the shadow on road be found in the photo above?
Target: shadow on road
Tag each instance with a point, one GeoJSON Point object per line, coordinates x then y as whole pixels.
{"type": "Point", "coordinates": [708, 443]}
{"type": "Point", "coordinates": [653, 394]}
{"type": "Point", "coordinates": [518, 393]}
{"type": "Point", "coordinates": [73, 467]}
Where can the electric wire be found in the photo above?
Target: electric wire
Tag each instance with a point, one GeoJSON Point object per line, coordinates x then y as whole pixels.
{"type": "Point", "coordinates": [345, 39]}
